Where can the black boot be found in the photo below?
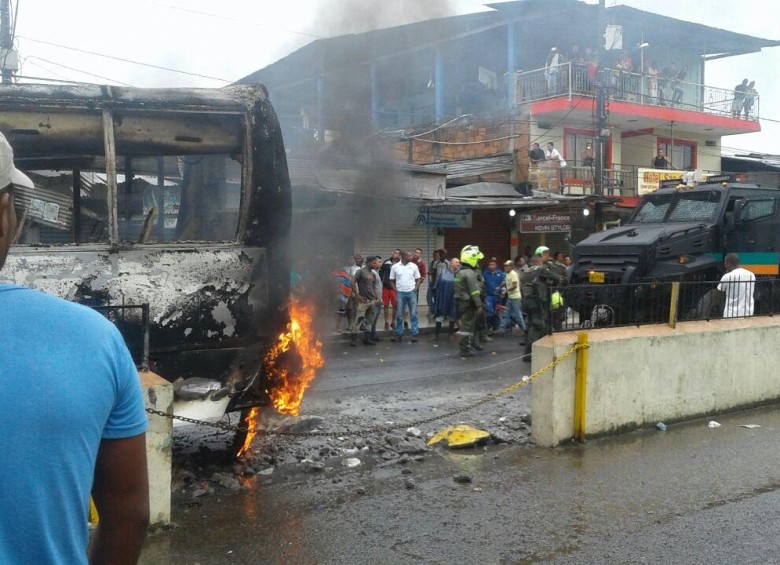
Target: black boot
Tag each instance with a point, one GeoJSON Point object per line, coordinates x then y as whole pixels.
{"type": "Point", "coordinates": [436, 331]}
{"type": "Point", "coordinates": [353, 340]}
{"type": "Point", "coordinates": [367, 339]}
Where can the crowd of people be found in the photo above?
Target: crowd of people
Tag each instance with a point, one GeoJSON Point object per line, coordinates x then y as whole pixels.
{"type": "Point", "coordinates": [475, 301]}
{"type": "Point", "coordinates": [665, 86]}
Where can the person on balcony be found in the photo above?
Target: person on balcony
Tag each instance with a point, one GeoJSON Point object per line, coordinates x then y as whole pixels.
{"type": "Point", "coordinates": [552, 154]}
{"type": "Point", "coordinates": [652, 80]}
{"type": "Point", "coordinates": [577, 69]}
{"type": "Point", "coordinates": [739, 98]}
{"type": "Point", "coordinates": [588, 160]}
{"type": "Point", "coordinates": [750, 98]}
{"type": "Point", "coordinates": [536, 155]}
{"type": "Point", "coordinates": [666, 76]}
{"type": "Point", "coordinates": [677, 81]}
{"type": "Point", "coordinates": [552, 69]}
{"type": "Point", "coordinates": [590, 61]}
{"type": "Point", "coordinates": [660, 161]}
{"type": "Point", "coordinates": [587, 156]}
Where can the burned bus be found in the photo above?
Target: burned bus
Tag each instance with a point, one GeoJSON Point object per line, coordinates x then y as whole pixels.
{"type": "Point", "coordinates": [174, 201]}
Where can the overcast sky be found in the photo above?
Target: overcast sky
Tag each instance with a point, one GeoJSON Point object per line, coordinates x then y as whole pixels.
{"type": "Point", "coordinates": [219, 42]}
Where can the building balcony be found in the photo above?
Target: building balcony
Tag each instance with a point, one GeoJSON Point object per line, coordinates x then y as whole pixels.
{"type": "Point", "coordinates": [634, 101]}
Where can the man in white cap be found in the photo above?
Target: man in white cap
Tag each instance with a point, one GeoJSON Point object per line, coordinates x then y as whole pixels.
{"type": "Point", "coordinates": [73, 421]}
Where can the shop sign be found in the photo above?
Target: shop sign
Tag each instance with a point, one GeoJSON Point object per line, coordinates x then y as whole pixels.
{"type": "Point", "coordinates": [444, 217]}
{"type": "Point", "coordinates": [545, 222]}
{"type": "Point", "coordinates": [650, 179]}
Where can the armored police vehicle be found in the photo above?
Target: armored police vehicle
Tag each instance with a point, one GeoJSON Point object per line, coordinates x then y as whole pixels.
{"type": "Point", "coordinates": [677, 233]}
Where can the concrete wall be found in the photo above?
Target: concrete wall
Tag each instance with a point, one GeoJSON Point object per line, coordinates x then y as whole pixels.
{"type": "Point", "coordinates": [640, 376]}
{"type": "Point", "coordinates": [158, 395]}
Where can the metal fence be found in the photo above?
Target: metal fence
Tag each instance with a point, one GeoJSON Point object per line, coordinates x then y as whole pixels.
{"type": "Point", "coordinates": [574, 79]}
{"type": "Point", "coordinates": [607, 305]}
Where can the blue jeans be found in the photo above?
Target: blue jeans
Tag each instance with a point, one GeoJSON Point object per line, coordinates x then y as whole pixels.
{"type": "Point", "coordinates": [406, 300]}
{"type": "Point", "coordinates": [513, 314]}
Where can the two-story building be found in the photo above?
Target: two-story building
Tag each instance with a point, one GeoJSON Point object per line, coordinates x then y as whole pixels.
{"type": "Point", "coordinates": [466, 96]}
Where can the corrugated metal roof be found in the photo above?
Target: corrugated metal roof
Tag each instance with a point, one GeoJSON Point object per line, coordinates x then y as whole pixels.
{"type": "Point", "coordinates": [764, 159]}
{"type": "Point", "coordinates": [483, 190]}
{"type": "Point", "coordinates": [472, 167]}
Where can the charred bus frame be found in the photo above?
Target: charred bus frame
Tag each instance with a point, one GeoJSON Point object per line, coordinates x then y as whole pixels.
{"type": "Point", "coordinates": [175, 198]}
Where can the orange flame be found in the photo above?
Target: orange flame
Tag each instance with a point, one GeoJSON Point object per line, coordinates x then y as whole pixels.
{"type": "Point", "coordinates": [287, 383]}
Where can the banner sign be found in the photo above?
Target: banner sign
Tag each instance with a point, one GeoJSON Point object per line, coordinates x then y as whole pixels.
{"type": "Point", "coordinates": [650, 179]}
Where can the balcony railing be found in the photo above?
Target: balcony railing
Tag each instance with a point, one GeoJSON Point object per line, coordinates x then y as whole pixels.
{"type": "Point", "coordinates": [574, 79]}
{"type": "Point", "coordinates": [620, 180]}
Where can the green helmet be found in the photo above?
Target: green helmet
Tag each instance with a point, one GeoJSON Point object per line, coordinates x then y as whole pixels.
{"type": "Point", "coordinates": [470, 255]}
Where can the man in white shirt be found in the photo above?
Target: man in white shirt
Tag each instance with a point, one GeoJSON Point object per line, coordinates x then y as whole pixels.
{"type": "Point", "coordinates": [552, 154]}
{"type": "Point", "coordinates": [405, 278]}
{"type": "Point", "coordinates": [738, 285]}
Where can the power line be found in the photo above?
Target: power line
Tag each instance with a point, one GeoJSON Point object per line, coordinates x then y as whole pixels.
{"type": "Point", "coordinates": [123, 59]}
{"type": "Point", "coordinates": [230, 19]}
{"type": "Point", "coordinates": [75, 69]}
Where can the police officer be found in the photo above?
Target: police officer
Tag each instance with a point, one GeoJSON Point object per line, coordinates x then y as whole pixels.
{"type": "Point", "coordinates": [532, 303]}
{"type": "Point", "coordinates": [468, 293]}
{"type": "Point", "coordinates": [540, 283]}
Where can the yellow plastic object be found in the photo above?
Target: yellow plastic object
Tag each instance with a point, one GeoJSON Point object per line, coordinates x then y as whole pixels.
{"type": "Point", "coordinates": [461, 435]}
{"type": "Point", "coordinates": [93, 513]}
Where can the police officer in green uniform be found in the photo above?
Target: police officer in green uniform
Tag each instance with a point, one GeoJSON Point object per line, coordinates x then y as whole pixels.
{"type": "Point", "coordinates": [532, 303]}
{"type": "Point", "coordinates": [468, 293]}
{"type": "Point", "coordinates": [537, 287]}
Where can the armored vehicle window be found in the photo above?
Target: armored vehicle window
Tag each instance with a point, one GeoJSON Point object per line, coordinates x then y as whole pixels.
{"type": "Point", "coordinates": [756, 209]}
{"type": "Point", "coordinates": [696, 207]}
{"type": "Point", "coordinates": [652, 210]}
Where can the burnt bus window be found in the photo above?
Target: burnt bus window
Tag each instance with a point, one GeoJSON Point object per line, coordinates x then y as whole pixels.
{"type": "Point", "coordinates": [47, 214]}
{"type": "Point", "coordinates": [178, 174]}
{"type": "Point", "coordinates": [190, 198]}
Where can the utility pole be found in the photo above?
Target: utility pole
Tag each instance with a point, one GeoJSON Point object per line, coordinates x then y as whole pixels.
{"type": "Point", "coordinates": [602, 134]}
{"type": "Point", "coordinates": [5, 39]}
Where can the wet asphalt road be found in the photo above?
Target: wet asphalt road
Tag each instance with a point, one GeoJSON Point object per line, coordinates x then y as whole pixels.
{"type": "Point", "coordinates": [688, 495]}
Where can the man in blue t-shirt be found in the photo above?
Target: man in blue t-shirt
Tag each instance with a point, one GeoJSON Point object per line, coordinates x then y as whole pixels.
{"type": "Point", "coordinates": [73, 423]}
{"type": "Point", "coordinates": [494, 279]}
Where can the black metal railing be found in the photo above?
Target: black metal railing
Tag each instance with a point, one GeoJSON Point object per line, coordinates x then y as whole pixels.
{"type": "Point", "coordinates": [132, 320]}
{"type": "Point", "coordinates": [607, 305]}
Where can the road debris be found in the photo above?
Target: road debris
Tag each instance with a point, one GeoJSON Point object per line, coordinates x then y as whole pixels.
{"type": "Point", "coordinates": [461, 435]}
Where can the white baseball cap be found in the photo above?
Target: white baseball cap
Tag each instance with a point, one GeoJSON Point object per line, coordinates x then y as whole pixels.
{"type": "Point", "coordinates": [9, 174]}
